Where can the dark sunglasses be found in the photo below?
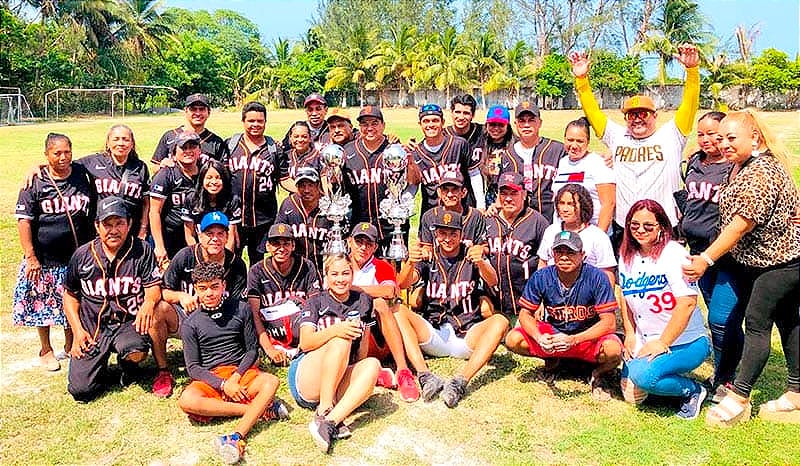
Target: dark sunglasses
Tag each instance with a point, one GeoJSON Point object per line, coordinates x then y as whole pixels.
{"type": "Point", "coordinates": [634, 114]}
{"type": "Point", "coordinates": [648, 227]}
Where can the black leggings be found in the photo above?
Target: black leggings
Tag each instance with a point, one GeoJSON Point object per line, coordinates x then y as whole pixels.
{"type": "Point", "coordinates": [772, 296]}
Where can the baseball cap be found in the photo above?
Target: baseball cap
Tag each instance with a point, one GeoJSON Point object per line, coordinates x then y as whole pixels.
{"type": "Point", "coordinates": [430, 109]}
{"type": "Point", "coordinates": [498, 114]}
{"type": "Point", "coordinates": [307, 173]}
{"type": "Point", "coordinates": [340, 113]}
{"type": "Point", "coordinates": [365, 229]}
{"type": "Point", "coordinates": [185, 138]}
{"type": "Point", "coordinates": [638, 101]}
{"type": "Point", "coordinates": [214, 218]}
{"type": "Point", "coordinates": [569, 239]}
{"type": "Point", "coordinates": [314, 97]}
{"type": "Point", "coordinates": [370, 111]}
{"type": "Point", "coordinates": [526, 106]}
{"type": "Point", "coordinates": [111, 206]}
{"type": "Point", "coordinates": [196, 99]}
{"type": "Point", "coordinates": [454, 178]}
{"type": "Point", "coordinates": [446, 219]}
{"type": "Point", "coordinates": [280, 230]}
{"type": "Point", "coordinates": [511, 180]}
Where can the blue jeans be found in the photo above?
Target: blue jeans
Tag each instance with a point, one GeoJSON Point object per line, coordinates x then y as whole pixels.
{"type": "Point", "coordinates": [662, 376]}
{"type": "Point", "coordinates": [725, 322]}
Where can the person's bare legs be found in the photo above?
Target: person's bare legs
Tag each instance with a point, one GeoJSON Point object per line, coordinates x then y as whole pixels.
{"type": "Point", "coordinates": [483, 338]}
{"type": "Point", "coordinates": [44, 340]}
{"type": "Point", "coordinates": [165, 323]}
{"type": "Point", "coordinates": [413, 329]}
{"type": "Point", "coordinates": [516, 343]}
{"type": "Point", "coordinates": [321, 372]}
{"type": "Point", "coordinates": [354, 389]}
{"type": "Point", "coordinates": [391, 332]}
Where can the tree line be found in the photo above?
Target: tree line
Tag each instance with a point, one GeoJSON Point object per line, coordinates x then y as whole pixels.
{"type": "Point", "coordinates": [358, 46]}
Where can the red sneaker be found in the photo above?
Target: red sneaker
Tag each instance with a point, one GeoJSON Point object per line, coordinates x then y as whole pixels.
{"type": "Point", "coordinates": [162, 385]}
{"type": "Point", "coordinates": [386, 378]}
{"type": "Point", "coordinates": [407, 386]}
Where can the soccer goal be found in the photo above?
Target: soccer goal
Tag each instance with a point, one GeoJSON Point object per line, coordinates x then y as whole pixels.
{"type": "Point", "coordinates": [14, 107]}
{"type": "Point", "coordinates": [105, 101]}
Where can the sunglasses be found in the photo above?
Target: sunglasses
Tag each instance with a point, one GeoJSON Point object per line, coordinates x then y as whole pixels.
{"type": "Point", "coordinates": [638, 114]}
{"type": "Point", "coordinates": [430, 108]}
{"type": "Point", "coordinates": [648, 227]}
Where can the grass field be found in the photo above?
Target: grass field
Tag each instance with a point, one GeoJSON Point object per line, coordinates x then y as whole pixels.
{"type": "Point", "coordinates": [512, 414]}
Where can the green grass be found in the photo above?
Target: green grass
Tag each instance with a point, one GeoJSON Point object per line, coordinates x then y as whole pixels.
{"type": "Point", "coordinates": [511, 414]}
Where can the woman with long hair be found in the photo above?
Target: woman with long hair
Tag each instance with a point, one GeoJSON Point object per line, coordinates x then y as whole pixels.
{"type": "Point", "coordinates": [756, 208]}
{"type": "Point", "coordinates": [497, 139]}
{"type": "Point", "coordinates": [664, 332]}
{"type": "Point", "coordinates": [303, 153]}
{"type": "Point", "coordinates": [212, 193]}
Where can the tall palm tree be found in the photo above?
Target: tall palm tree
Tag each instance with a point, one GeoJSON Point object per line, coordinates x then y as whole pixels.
{"type": "Point", "coordinates": [485, 58]}
{"type": "Point", "coordinates": [353, 61]}
{"type": "Point", "coordinates": [448, 62]}
{"type": "Point", "coordinates": [142, 28]}
{"type": "Point", "coordinates": [394, 59]}
{"type": "Point", "coordinates": [96, 17]}
{"type": "Point", "coordinates": [518, 67]}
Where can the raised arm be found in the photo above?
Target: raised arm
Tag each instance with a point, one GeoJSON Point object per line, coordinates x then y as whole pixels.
{"type": "Point", "coordinates": [580, 69]}
{"type": "Point", "coordinates": [684, 116]}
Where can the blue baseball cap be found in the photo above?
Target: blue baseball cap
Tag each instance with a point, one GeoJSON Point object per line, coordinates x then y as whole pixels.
{"type": "Point", "coordinates": [498, 114]}
{"type": "Point", "coordinates": [214, 218]}
{"type": "Point", "coordinates": [431, 109]}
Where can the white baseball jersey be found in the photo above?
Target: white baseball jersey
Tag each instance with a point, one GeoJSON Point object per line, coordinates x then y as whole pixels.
{"type": "Point", "coordinates": [588, 172]}
{"type": "Point", "coordinates": [596, 246]}
{"type": "Point", "coordinates": [646, 168]}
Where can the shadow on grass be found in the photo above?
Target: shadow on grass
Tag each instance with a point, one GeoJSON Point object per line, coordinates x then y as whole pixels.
{"type": "Point", "coordinates": [501, 366]}
{"type": "Point", "coordinates": [377, 406]}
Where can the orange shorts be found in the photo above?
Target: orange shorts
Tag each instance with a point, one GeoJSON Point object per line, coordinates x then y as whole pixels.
{"type": "Point", "coordinates": [377, 350]}
{"type": "Point", "coordinates": [224, 372]}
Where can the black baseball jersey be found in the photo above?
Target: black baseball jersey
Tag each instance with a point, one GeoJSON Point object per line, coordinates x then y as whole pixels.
{"type": "Point", "coordinates": [452, 156]}
{"type": "Point", "coordinates": [539, 179]}
{"type": "Point", "coordinates": [178, 276]}
{"type": "Point", "coordinates": [474, 138]}
{"type": "Point", "coordinates": [364, 181]}
{"type": "Point", "coordinates": [473, 231]}
{"type": "Point", "coordinates": [49, 208]}
{"type": "Point", "coordinates": [172, 186]}
{"type": "Point", "coordinates": [310, 229]}
{"type": "Point", "coordinates": [228, 340]}
{"type": "Point", "coordinates": [255, 178]}
{"type": "Point", "coordinates": [323, 310]}
{"type": "Point", "coordinates": [309, 159]}
{"type": "Point", "coordinates": [272, 289]}
{"type": "Point", "coordinates": [113, 287]}
{"type": "Point", "coordinates": [493, 153]}
{"type": "Point", "coordinates": [512, 251]}
{"type": "Point", "coordinates": [192, 213]}
{"type": "Point", "coordinates": [700, 222]}
{"type": "Point", "coordinates": [453, 287]}
{"type": "Point", "coordinates": [130, 182]}
{"type": "Point", "coordinates": [211, 145]}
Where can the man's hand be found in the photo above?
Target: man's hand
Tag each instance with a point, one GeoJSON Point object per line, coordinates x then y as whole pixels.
{"type": "Point", "coordinates": [493, 209]}
{"type": "Point", "coordinates": [277, 356]}
{"type": "Point", "coordinates": [546, 342]}
{"type": "Point", "coordinates": [234, 391]}
{"type": "Point", "coordinates": [166, 163]}
{"type": "Point", "coordinates": [562, 342]}
{"type": "Point", "coordinates": [82, 343]}
{"type": "Point", "coordinates": [144, 318]}
{"type": "Point", "coordinates": [32, 173]}
{"type": "Point", "coordinates": [188, 302]}
{"type": "Point", "coordinates": [580, 64]}
{"type": "Point", "coordinates": [161, 255]}
{"type": "Point", "coordinates": [688, 55]}
{"type": "Point", "coordinates": [475, 254]}
{"type": "Point", "coordinates": [417, 253]}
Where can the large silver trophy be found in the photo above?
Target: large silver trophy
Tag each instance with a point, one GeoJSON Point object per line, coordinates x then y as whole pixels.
{"type": "Point", "coordinates": [398, 206]}
{"type": "Point", "coordinates": [335, 203]}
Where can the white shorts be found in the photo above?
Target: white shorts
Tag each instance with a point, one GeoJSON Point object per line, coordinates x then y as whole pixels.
{"type": "Point", "coordinates": [444, 342]}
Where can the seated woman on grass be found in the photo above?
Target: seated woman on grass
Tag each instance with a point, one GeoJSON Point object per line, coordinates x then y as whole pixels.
{"type": "Point", "coordinates": [333, 374]}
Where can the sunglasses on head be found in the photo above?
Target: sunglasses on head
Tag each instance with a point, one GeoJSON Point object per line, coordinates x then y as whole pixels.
{"type": "Point", "coordinates": [431, 108]}
{"type": "Point", "coordinates": [648, 227]}
{"type": "Point", "coordinates": [641, 114]}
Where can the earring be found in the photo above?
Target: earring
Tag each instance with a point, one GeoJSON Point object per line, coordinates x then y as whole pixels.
{"type": "Point", "coordinates": [755, 152]}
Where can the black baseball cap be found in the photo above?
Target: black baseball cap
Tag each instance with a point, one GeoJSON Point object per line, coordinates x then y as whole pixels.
{"type": "Point", "coordinates": [111, 206]}
{"type": "Point", "coordinates": [370, 111]}
{"type": "Point", "coordinates": [306, 173]}
{"type": "Point", "coordinates": [446, 219]}
{"type": "Point", "coordinates": [455, 178]}
{"type": "Point", "coordinates": [185, 138]}
{"type": "Point", "coordinates": [195, 99]}
{"type": "Point", "coordinates": [569, 239]}
{"type": "Point", "coordinates": [280, 230]}
{"type": "Point", "coordinates": [511, 180]}
{"type": "Point", "coordinates": [365, 229]}
{"type": "Point", "coordinates": [526, 107]}
{"type": "Point", "coordinates": [314, 98]}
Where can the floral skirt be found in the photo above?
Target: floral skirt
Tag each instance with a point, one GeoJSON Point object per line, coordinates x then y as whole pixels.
{"type": "Point", "coordinates": [40, 304]}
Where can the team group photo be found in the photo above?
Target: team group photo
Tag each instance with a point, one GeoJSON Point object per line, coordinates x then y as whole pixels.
{"type": "Point", "coordinates": [466, 279]}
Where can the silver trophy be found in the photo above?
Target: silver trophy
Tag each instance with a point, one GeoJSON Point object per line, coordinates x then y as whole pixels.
{"type": "Point", "coordinates": [398, 206]}
{"type": "Point", "coordinates": [335, 203]}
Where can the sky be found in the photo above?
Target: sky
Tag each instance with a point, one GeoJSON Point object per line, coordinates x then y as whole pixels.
{"type": "Point", "coordinates": [777, 20]}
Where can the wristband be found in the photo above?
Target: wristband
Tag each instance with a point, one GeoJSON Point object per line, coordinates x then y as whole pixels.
{"type": "Point", "coordinates": [707, 258]}
{"type": "Point", "coordinates": [222, 386]}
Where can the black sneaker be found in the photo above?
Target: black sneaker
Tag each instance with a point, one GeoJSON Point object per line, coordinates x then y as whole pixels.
{"type": "Point", "coordinates": [129, 373]}
{"type": "Point", "coordinates": [690, 408]}
{"type": "Point", "coordinates": [430, 385]}
{"type": "Point", "coordinates": [454, 391]}
{"type": "Point", "coordinates": [342, 432]}
{"type": "Point", "coordinates": [323, 432]}
{"type": "Point", "coordinates": [277, 411]}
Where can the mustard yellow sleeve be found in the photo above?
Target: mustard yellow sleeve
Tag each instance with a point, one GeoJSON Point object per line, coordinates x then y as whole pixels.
{"type": "Point", "coordinates": [591, 108]}
{"type": "Point", "coordinates": [684, 116]}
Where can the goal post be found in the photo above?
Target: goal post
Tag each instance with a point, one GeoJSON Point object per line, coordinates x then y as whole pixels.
{"type": "Point", "coordinates": [54, 100]}
{"type": "Point", "coordinates": [14, 107]}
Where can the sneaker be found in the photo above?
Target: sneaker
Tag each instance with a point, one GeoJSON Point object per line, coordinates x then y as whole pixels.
{"type": "Point", "coordinates": [198, 418]}
{"type": "Point", "coordinates": [323, 432]}
{"type": "Point", "coordinates": [454, 391]}
{"type": "Point", "coordinates": [386, 378]}
{"type": "Point", "coordinates": [407, 386]}
{"type": "Point", "coordinates": [62, 355]}
{"type": "Point", "coordinates": [690, 408]}
{"type": "Point", "coordinates": [230, 448]}
{"type": "Point", "coordinates": [277, 411]}
{"type": "Point", "coordinates": [430, 384]}
{"type": "Point", "coordinates": [162, 385]}
{"type": "Point", "coordinates": [342, 432]}
{"type": "Point", "coordinates": [129, 373]}
{"type": "Point", "coordinates": [49, 362]}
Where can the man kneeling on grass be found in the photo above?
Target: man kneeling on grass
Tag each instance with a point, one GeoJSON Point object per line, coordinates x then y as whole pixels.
{"type": "Point", "coordinates": [455, 318]}
{"type": "Point", "coordinates": [221, 351]}
{"type": "Point", "coordinates": [568, 312]}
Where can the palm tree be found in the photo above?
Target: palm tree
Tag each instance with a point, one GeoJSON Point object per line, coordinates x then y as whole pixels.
{"type": "Point", "coordinates": [96, 17]}
{"type": "Point", "coordinates": [448, 63]}
{"type": "Point", "coordinates": [485, 58]}
{"type": "Point", "coordinates": [142, 28]}
{"type": "Point", "coordinates": [394, 60]}
{"type": "Point", "coordinates": [518, 68]}
{"type": "Point", "coordinates": [242, 77]}
{"type": "Point", "coordinates": [352, 60]}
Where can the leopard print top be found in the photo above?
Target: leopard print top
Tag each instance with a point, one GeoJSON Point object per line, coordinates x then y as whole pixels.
{"type": "Point", "coordinates": [765, 193]}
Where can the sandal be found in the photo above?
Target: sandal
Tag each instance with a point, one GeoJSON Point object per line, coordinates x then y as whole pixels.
{"type": "Point", "coordinates": [728, 412]}
{"type": "Point", "coordinates": [600, 390]}
{"type": "Point", "coordinates": [780, 410]}
{"type": "Point", "coordinates": [719, 393]}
